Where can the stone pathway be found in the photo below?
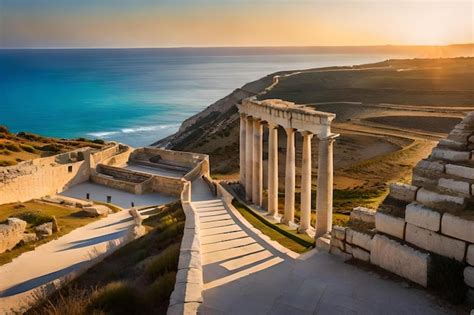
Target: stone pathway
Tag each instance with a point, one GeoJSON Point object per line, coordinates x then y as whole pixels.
{"type": "Point", "coordinates": [52, 261]}
{"type": "Point", "coordinates": [246, 273]}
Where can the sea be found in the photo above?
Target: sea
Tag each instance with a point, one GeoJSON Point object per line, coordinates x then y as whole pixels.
{"type": "Point", "coordinates": [135, 96]}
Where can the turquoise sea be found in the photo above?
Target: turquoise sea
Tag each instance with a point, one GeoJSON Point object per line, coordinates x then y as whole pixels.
{"type": "Point", "coordinates": [135, 96]}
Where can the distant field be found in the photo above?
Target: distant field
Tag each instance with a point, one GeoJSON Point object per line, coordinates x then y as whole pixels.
{"type": "Point", "coordinates": [433, 124]}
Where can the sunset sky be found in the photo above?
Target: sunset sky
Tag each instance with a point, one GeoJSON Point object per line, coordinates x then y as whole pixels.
{"type": "Point", "coordinates": [175, 23]}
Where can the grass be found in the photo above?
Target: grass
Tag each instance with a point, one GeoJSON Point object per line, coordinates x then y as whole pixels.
{"type": "Point", "coordinates": [36, 213]}
{"type": "Point", "coordinates": [298, 243]}
{"type": "Point", "coordinates": [136, 279]}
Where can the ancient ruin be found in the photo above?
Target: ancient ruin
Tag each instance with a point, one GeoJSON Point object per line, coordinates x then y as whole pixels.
{"type": "Point", "coordinates": [293, 118]}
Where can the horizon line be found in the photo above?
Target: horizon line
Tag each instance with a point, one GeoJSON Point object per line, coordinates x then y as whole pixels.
{"type": "Point", "coordinates": [217, 47]}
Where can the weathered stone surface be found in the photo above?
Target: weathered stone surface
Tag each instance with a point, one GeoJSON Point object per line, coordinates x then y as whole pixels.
{"type": "Point", "coordinates": [469, 276]}
{"type": "Point", "coordinates": [450, 155]}
{"type": "Point", "coordinates": [11, 233]}
{"type": "Point", "coordinates": [440, 201]}
{"type": "Point", "coordinates": [184, 309]}
{"type": "Point", "coordinates": [363, 214]}
{"type": "Point", "coordinates": [421, 181]}
{"type": "Point", "coordinates": [451, 144]}
{"type": "Point", "coordinates": [435, 242]}
{"type": "Point", "coordinates": [29, 237]}
{"type": "Point", "coordinates": [422, 216]}
{"type": "Point", "coordinates": [457, 227]}
{"type": "Point", "coordinates": [470, 255]}
{"type": "Point", "coordinates": [400, 259]}
{"type": "Point", "coordinates": [360, 239]}
{"type": "Point", "coordinates": [360, 254]}
{"type": "Point", "coordinates": [186, 293]}
{"type": "Point", "coordinates": [461, 171]}
{"type": "Point", "coordinates": [44, 230]}
{"type": "Point", "coordinates": [97, 210]}
{"type": "Point", "coordinates": [55, 224]}
{"type": "Point", "coordinates": [455, 186]}
{"type": "Point", "coordinates": [348, 248]}
{"type": "Point", "coordinates": [322, 243]}
{"type": "Point", "coordinates": [136, 231]}
{"type": "Point", "coordinates": [338, 232]}
{"type": "Point", "coordinates": [390, 225]}
{"type": "Point", "coordinates": [429, 167]}
{"type": "Point", "coordinates": [459, 135]}
{"type": "Point", "coordinates": [337, 243]}
{"type": "Point", "coordinates": [137, 218]}
{"type": "Point", "coordinates": [403, 192]}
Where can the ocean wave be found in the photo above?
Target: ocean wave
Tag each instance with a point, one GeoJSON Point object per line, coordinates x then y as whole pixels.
{"type": "Point", "coordinates": [108, 134]}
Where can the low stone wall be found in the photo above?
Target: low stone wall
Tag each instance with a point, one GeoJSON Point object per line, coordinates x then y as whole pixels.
{"type": "Point", "coordinates": [120, 157]}
{"type": "Point", "coordinates": [44, 176]}
{"type": "Point", "coordinates": [167, 185]}
{"type": "Point", "coordinates": [123, 179]}
{"type": "Point", "coordinates": [187, 294]}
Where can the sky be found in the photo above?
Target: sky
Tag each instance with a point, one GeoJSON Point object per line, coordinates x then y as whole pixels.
{"type": "Point", "coordinates": [214, 23]}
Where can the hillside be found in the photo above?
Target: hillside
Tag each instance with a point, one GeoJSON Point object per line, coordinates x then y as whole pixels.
{"type": "Point", "coordinates": [15, 148]}
{"type": "Point", "coordinates": [389, 114]}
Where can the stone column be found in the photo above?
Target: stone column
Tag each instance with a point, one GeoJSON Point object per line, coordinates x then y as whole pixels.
{"type": "Point", "coordinates": [289, 215]}
{"type": "Point", "coordinates": [305, 216]}
{"type": "Point", "coordinates": [325, 186]}
{"type": "Point", "coordinates": [248, 157]}
{"type": "Point", "coordinates": [272, 170]}
{"type": "Point", "coordinates": [257, 171]}
{"type": "Point", "coordinates": [242, 138]}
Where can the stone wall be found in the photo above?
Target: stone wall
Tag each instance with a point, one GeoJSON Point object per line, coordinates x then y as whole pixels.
{"type": "Point", "coordinates": [433, 215]}
{"type": "Point", "coordinates": [11, 233]}
{"type": "Point", "coordinates": [44, 176]}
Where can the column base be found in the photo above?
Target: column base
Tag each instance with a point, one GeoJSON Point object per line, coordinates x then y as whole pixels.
{"type": "Point", "coordinates": [310, 231]}
{"type": "Point", "coordinates": [291, 224]}
{"type": "Point", "coordinates": [273, 218]}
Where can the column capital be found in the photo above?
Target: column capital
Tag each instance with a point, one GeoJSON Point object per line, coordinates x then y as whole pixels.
{"type": "Point", "coordinates": [290, 130]}
{"type": "Point", "coordinates": [243, 115]}
{"type": "Point", "coordinates": [272, 125]}
{"type": "Point", "coordinates": [332, 137]}
{"type": "Point", "coordinates": [306, 133]}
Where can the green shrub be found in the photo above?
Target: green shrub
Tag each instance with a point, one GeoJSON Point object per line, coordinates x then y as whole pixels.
{"type": "Point", "coordinates": [117, 298]}
{"type": "Point", "coordinates": [166, 261]}
{"type": "Point", "coordinates": [27, 148]}
{"type": "Point", "coordinates": [5, 152]}
{"type": "Point", "coordinates": [12, 147]}
{"type": "Point", "coordinates": [29, 136]}
{"type": "Point", "coordinates": [50, 147]}
{"type": "Point", "coordinates": [445, 275]}
{"type": "Point", "coordinates": [35, 218]}
{"type": "Point", "coordinates": [98, 141]}
{"type": "Point", "coordinates": [4, 129]}
{"type": "Point", "coordinates": [160, 290]}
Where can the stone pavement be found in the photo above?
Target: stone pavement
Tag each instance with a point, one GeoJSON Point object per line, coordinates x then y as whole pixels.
{"type": "Point", "coordinates": [70, 253]}
{"type": "Point", "coordinates": [246, 273]}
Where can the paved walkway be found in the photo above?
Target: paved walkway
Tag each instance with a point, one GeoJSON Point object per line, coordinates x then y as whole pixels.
{"type": "Point", "coordinates": [245, 274]}
{"type": "Point", "coordinates": [52, 261]}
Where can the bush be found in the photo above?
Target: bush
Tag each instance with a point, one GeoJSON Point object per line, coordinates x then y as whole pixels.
{"type": "Point", "coordinates": [98, 141]}
{"type": "Point", "coordinates": [35, 218]}
{"type": "Point", "coordinates": [50, 147]}
{"type": "Point", "coordinates": [4, 129]}
{"type": "Point", "coordinates": [446, 277]}
{"type": "Point", "coordinates": [117, 298]}
{"type": "Point", "coordinates": [6, 163]}
{"type": "Point", "coordinates": [166, 261]}
{"type": "Point", "coordinates": [5, 152]}
{"type": "Point", "coordinates": [161, 289]}
{"type": "Point", "coordinates": [29, 136]}
{"type": "Point", "coordinates": [27, 148]}
{"type": "Point", "coordinates": [12, 147]}
{"type": "Point", "coordinates": [73, 301]}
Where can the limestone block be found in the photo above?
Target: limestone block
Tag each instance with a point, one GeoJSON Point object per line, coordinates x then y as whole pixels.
{"type": "Point", "coordinates": [188, 259]}
{"type": "Point", "coordinates": [136, 231]}
{"type": "Point", "coordinates": [360, 239]}
{"type": "Point", "coordinates": [337, 243]}
{"type": "Point", "coordinates": [363, 214]}
{"type": "Point", "coordinates": [44, 230]}
{"type": "Point", "coordinates": [435, 242]}
{"type": "Point", "coordinates": [422, 216]}
{"type": "Point", "coordinates": [400, 259]}
{"type": "Point", "coordinates": [184, 309]}
{"type": "Point", "coordinates": [186, 293]}
{"type": "Point", "coordinates": [190, 275]}
{"type": "Point", "coordinates": [403, 192]}
{"type": "Point", "coordinates": [338, 232]}
{"type": "Point", "coordinates": [451, 144]}
{"type": "Point", "coordinates": [450, 155]}
{"type": "Point", "coordinates": [97, 210]}
{"type": "Point", "coordinates": [461, 171]}
{"type": "Point", "coordinates": [440, 201]}
{"type": "Point", "coordinates": [190, 242]}
{"type": "Point", "coordinates": [421, 181]}
{"type": "Point", "coordinates": [455, 185]}
{"type": "Point", "coordinates": [390, 225]}
{"type": "Point", "coordinates": [348, 248]}
{"type": "Point", "coordinates": [29, 237]}
{"type": "Point", "coordinates": [429, 167]}
{"type": "Point", "coordinates": [457, 227]}
{"type": "Point", "coordinates": [360, 254]}
{"type": "Point", "coordinates": [323, 243]}
{"type": "Point", "coordinates": [470, 255]}
{"type": "Point", "coordinates": [459, 135]}
{"type": "Point", "coordinates": [137, 218]}
{"type": "Point", "coordinates": [469, 276]}
{"type": "Point", "coordinates": [11, 233]}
